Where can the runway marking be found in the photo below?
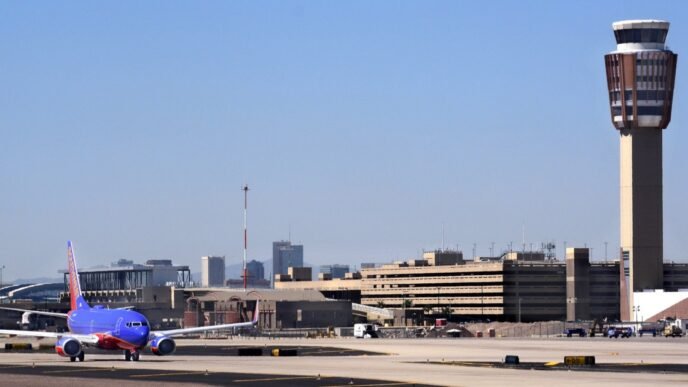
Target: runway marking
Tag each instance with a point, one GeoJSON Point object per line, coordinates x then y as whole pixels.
{"type": "Point", "coordinates": [170, 374]}
{"type": "Point", "coordinates": [279, 378]}
{"type": "Point", "coordinates": [378, 384]}
{"type": "Point", "coordinates": [465, 363]}
{"type": "Point", "coordinates": [306, 353]}
{"type": "Point", "coordinates": [75, 369]}
{"type": "Point", "coordinates": [17, 366]}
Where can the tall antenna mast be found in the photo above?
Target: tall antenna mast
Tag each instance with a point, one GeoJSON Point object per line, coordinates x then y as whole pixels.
{"type": "Point", "coordinates": [245, 275]}
{"type": "Point", "coordinates": [442, 236]}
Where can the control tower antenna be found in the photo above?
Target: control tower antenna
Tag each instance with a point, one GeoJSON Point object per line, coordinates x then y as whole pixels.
{"type": "Point", "coordinates": [245, 272]}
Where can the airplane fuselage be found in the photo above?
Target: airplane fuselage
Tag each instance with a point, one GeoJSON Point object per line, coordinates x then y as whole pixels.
{"type": "Point", "coordinates": [116, 329]}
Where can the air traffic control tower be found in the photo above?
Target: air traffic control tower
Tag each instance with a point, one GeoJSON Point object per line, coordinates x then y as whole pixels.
{"type": "Point", "coordinates": [640, 79]}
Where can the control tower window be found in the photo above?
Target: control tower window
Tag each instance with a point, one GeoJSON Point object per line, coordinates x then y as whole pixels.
{"type": "Point", "coordinates": [640, 35]}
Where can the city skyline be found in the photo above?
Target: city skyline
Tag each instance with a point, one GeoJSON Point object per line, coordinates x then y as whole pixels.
{"type": "Point", "coordinates": [367, 132]}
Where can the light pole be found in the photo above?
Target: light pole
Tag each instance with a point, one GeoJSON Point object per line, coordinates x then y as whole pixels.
{"type": "Point", "coordinates": [403, 305]}
{"type": "Point", "coordinates": [2, 268]}
{"type": "Point", "coordinates": [605, 251]}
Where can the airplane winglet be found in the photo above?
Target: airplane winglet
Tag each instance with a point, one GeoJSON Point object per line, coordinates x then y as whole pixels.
{"type": "Point", "coordinates": [256, 313]}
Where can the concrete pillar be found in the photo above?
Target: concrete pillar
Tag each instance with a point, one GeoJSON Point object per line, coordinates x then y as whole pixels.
{"type": "Point", "coordinates": [641, 206]}
{"type": "Point", "coordinates": [577, 283]}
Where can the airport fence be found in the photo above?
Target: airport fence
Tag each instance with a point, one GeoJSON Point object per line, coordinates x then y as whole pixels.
{"type": "Point", "coordinates": [534, 329]}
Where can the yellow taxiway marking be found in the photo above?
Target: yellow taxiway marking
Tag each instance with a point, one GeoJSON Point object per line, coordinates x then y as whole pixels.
{"type": "Point", "coordinates": [170, 374]}
{"type": "Point", "coordinates": [75, 369]}
{"type": "Point", "coordinates": [551, 363]}
{"type": "Point", "coordinates": [280, 378]}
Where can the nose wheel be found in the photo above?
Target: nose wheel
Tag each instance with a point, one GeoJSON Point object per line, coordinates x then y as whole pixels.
{"type": "Point", "coordinates": [131, 356]}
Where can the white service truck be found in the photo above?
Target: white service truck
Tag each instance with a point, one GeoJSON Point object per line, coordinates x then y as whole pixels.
{"type": "Point", "coordinates": [365, 331]}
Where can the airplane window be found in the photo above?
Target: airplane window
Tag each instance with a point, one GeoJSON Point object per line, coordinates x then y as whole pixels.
{"type": "Point", "coordinates": [144, 323]}
{"type": "Point", "coordinates": [136, 323]}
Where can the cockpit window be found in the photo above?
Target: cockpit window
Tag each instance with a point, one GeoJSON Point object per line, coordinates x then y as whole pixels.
{"type": "Point", "coordinates": [137, 324]}
{"type": "Point", "coordinates": [144, 323]}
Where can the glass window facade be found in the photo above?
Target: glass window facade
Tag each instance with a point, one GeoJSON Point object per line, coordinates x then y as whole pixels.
{"type": "Point", "coordinates": [643, 95]}
{"type": "Point", "coordinates": [640, 35]}
{"type": "Point", "coordinates": [642, 110]}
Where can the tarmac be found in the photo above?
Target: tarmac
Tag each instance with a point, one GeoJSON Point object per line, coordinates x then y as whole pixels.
{"type": "Point", "coordinates": [384, 362]}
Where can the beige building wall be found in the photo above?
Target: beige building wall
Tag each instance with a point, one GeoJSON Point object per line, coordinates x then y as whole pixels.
{"type": "Point", "coordinates": [641, 206]}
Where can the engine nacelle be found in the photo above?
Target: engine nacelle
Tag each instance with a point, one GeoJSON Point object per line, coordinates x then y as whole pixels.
{"type": "Point", "coordinates": [162, 346]}
{"type": "Point", "coordinates": [68, 347]}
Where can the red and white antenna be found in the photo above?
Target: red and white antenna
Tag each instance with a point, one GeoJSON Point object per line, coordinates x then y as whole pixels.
{"type": "Point", "coordinates": [245, 275]}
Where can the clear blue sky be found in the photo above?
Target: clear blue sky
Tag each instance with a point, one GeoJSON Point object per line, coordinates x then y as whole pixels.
{"type": "Point", "coordinates": [130, 127]}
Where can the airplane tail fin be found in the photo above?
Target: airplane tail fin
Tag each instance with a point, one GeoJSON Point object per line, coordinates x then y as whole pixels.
{"type": "Point", "coordinates": [77, 301]}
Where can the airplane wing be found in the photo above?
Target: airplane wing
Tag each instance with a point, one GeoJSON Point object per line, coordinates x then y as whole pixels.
{"type": "Point", "coordinates": [52, 314]}
{"type": "Point", "coordinates": [183, 331]}
{"type": "Point", "coordinates": [86, 339]}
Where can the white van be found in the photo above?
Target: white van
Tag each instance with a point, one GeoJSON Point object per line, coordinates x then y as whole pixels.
{"type": "Point", "coordinates": [365, 331]}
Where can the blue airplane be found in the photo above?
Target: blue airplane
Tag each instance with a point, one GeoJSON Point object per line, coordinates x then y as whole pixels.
{"type": "Point", "coordinates": [113, 329]}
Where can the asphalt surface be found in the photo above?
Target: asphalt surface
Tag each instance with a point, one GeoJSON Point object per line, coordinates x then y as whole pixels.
{"type": "Point", "coordinates": [44, 375]}
{"type": "Point", "coordinates": [233, 350]}
{"type": "Point", "coordinates": [461, 362]}
{"type": "Point", "coordinates": [604, 367]}
{"type": "Point", "coordinates": [229, 350]}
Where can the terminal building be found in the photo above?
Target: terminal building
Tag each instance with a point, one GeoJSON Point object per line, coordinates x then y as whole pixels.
{"type": "Point", "coordinates": [47, 292]}
{"type": "Point", "coordinates": [123, 277]}
{"type": "Point", "coordinates": [512, 289]}
{"type": "Point", "coordinates": [279, 309]}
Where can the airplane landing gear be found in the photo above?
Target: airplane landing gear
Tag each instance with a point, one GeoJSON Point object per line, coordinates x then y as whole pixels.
{"type": "Point", "coordinates": [80, 356]}
{"type": "Point", "coordinates": [131, 356]}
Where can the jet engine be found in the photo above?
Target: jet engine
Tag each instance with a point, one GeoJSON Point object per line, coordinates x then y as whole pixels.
{"type": "Point", "coordinates": [162, 346]}
{"type": "Point", "coordinates": [68, 347]}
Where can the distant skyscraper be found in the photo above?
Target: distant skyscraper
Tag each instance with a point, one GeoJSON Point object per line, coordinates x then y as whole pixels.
{"type": "Point", "coordinates": [256, 271]}
{"type": "Point", "coordinates": [212, 271]}
{"type": "Point", "coordinates": [285, 255]}
{"type": "Point", "coordinates": [640, 79]}
{"type": "Point", "coordinates": [335, 271]}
